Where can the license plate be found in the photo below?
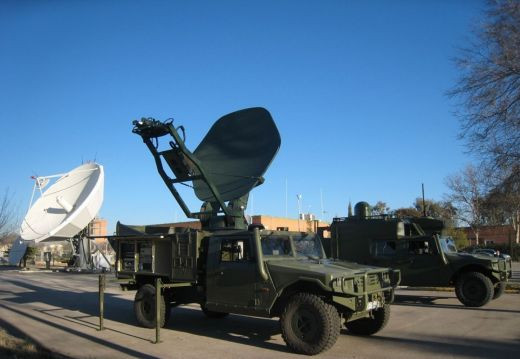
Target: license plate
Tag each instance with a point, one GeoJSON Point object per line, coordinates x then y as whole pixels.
{"type": "Point", "coordinates": [373, 305]}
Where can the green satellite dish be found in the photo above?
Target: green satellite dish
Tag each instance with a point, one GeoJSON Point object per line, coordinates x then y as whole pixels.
{"type": "Point", "coordinates": [228, 163]}
{"type": "Point", "coordinates": [236, 152]}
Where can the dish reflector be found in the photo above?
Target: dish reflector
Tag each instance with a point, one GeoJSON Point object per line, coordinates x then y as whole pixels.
{"type": "Point", "coordinates": [236, 152]}
{"type": "Point", "coordinates": [67, 206]}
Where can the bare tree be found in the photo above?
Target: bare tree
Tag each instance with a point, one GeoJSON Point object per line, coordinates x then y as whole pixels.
{"type": "Point", "coordinates": [467, 191]}
{"type": "Point", "coordinates": [502, 205]}
{"type": "Point", "coordinates": [7, 217]}
{"type": "Point", "coordinates": [489, 87]}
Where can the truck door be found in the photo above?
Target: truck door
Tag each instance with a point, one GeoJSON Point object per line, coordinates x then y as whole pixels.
{"type": "Point", "coordinates": [231, 273]}
{"type": "Point", "coordinates": [426, 266]}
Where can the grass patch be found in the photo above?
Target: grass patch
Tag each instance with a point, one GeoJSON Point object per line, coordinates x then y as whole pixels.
{"type": "Point", "coordinates": [12, 347]}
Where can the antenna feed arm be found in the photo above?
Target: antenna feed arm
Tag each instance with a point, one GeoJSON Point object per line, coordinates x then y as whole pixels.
{"type": "Point", "coordinates": [150, 128]}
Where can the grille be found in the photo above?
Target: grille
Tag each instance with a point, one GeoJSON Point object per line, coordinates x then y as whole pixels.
{"type": "Point", "coordinates": [373, 279]}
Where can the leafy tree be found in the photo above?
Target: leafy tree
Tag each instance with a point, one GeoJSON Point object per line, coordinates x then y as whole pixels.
{"type": "Point", "coordinates": [379, 208]}
{"type": "Point", "coordinates": [459, 236]}
{"type": "Point", "coordinates": [30, 255]}
{"type": "Point", "coordinates": [407, 212]}
{"type": "Point", "coordinates": [436, 209]}
{"type": "Point", "coordinates": [489, 88]}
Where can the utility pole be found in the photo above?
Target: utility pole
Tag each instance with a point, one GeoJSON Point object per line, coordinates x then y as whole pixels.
{"type": "Point", "coordinates": [299, 197]}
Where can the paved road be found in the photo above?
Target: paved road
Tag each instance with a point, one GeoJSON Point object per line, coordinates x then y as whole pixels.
{"type": "Point", "coordinates": [59, 310]}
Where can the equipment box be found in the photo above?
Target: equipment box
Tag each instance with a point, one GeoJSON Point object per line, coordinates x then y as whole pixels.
{"type": "Point", "coordinates": [171, 255]}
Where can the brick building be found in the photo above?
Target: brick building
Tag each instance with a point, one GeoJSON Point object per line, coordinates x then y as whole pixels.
{"type": "Point", "coordinates": [98, 227]}
{"type": "Point", "coordinates": [491, 234]}
{"type": "Point", "coordinates": [306, 224]}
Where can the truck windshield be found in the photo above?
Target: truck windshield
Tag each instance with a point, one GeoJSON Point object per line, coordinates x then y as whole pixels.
{"type": "Point", "coordinates": [306, 245]}
{"type": "Point", "coordinates": [448, 245]}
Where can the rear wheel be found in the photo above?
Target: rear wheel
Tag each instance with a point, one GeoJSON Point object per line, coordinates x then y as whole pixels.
{"type": "Point", "coordinates": [474, 289]}
{"type": "Point", "coordinates": [500, 287]}
{"type": "Point", "coordinates": [368, 326]}
{"type": "Point", "coordinates": [144, 307]}
{"type": "Point", "coordinates": [309, 325]}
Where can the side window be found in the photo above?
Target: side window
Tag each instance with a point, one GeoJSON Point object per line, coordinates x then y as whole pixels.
{"type": "Point", "coordinates": [383, 248]}
{"type": "Point", "coordinates": [235, 250]}
{"type": "Point", "coordinates": [421, 247]}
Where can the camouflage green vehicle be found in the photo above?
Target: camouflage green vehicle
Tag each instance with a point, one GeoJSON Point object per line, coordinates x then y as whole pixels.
{"type": "Point", "coordinates": [228, 266]}
{"type": "Point", "coordinates": [418, 249]}
{"type": "Point", "coordinates": [260, 273]}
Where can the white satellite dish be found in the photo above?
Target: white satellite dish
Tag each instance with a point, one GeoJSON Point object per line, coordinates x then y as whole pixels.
{"type": "Point", "coordinates": [66, 207]}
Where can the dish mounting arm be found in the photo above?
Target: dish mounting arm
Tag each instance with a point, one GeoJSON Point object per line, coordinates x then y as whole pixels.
{"type": "Point", "coordinates": [184, 165]}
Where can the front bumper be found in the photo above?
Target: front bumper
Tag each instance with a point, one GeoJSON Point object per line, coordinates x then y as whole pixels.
{"type": "Point", "coordinates": [363, 292]}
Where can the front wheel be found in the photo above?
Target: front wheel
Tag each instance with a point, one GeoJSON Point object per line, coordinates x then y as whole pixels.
{"type": "Point", "coordinates": [500, 287]}
{"type": "Point", "coordinates": [368, 326]}
{"type": "Point", "coordinates": [144, 307]}
{"type": "Point", "coordinates": [474, 289]}
{"type": "Point", "coordinates": [309, 325]}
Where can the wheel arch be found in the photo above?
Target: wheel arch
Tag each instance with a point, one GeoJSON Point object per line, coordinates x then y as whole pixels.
{"type": "Point", "coordinates": [472, 268]}
{"type": "Point", "coordinates": [313, 286]}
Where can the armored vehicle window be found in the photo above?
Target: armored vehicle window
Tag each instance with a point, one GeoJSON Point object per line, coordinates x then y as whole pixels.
{"type": "Point", "coordinates": [421, 247]}
{"type": "Point", "coordinates": [308, 245]}
{"type": "Point", "coordinates": [234, 250]}
{"type": "Point", "coordinates": [383, 248]}
{"type": "Point", "coordinates": [448, 245]}
{"type": "Point", "coordinates": [276, 246]}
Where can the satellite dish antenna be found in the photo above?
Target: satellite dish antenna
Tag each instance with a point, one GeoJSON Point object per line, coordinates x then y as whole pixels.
{"type": "Point", "coordinates": [236, 152]}
{"type": "Point", "coordinates": [64, 210]}
{"type": "Point", "coordinates": [66, 207]}
{"type": "Point", "coordinates": [228, 163]}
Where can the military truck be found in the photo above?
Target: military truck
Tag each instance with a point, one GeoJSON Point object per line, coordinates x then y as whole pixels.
{"type": "Point", "coordinates": [418, 248]}
{"type": "Point", "coordinates": [228, 266]}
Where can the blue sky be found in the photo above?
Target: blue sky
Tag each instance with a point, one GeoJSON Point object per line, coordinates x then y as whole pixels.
{"type": "Point", "coordinates": [357, 89]}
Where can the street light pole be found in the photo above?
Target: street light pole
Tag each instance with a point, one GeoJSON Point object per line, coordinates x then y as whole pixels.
{"type": "Point", "coordinates": [299, 197]}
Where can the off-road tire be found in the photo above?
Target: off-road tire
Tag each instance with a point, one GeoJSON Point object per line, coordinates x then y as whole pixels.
{"type": "Point", "coordinates": [309, 325]}
{"type": "Point", "coordinates": [474, 289]}
{"type": "Point", "coordinates": [368, 326]}
{"type": "Point", "coordinates": [144, 307]}
{"type": "Point", "coordinates": [499, 289]}
{"type": "Point", "coordinates": [212, 314]}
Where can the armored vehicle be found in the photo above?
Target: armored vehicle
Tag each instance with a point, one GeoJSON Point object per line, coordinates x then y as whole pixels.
{"type": "Point", "coordinates": [228, 266]}
{"type": "Point", "coordinates": [418, 248]}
